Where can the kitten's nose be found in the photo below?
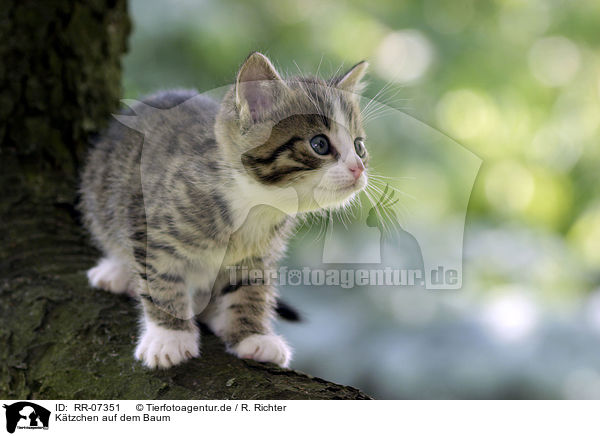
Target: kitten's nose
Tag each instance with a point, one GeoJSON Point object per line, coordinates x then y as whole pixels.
{"type": "Point", "coordinates": [356, 168]}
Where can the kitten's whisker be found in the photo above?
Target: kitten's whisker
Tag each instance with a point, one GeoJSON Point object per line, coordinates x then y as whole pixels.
{"type": "Point", "coordinates": [374, 106]}
{"type": "Point", "coordinates": [384, 102]}
{"type": "Point", "coordinates": [374, 98]}
{"type": "Point", "coordinates": [323, 220]}
{"type": "Point", "coordinates": [329, 223]}
{"type": "Point", "coordinates": [401, 207]}
{"type": "Point", "coordinates": [319, 66]}
{"type": "Point", "coordinates": [379, 96]}
{"type": "Point", "coordinates": [375, 206]}
{"type": "Point", "coordinates": [384, 207]}
{"type": "Point", "coordinates": [379, 111]}
{"type": "Point", "coordinates": [391, 187]}
{"type": "Point", "coordinates": [379, 176]}
{"type": "Point", "coordinates": [379, 115]}
{"type": "Point", "coordinates": [334, 76]}
{"type": "Point", "coordinates": [341, 217]}
{"type": "Point", "coordinates": [298, 67]}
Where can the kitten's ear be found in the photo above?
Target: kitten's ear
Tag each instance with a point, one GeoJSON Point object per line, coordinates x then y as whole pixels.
{"type": "Point", "coordinates": [351, 81]}
{"type": "Point", "coordinates": [257, 86]}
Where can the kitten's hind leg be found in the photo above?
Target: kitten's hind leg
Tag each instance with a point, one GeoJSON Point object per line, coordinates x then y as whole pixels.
{"type": "Point", "coordinates": [111, 274]}
{"type": "Point", "coordinates": [241, 317]}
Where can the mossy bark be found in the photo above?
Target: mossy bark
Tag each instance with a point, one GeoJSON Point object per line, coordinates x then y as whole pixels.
{"type": "Point", "coordinates": [59, 339]}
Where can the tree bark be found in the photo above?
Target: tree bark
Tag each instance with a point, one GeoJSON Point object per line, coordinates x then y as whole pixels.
{"type": "Point", "coordinates": [59, 339]}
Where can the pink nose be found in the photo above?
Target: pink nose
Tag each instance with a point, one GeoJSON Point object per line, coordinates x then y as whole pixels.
{"type": "Point", "coordinates": [357, 169]}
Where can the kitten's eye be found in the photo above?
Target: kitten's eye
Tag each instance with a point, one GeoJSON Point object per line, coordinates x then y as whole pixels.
{"type": "Point", "coordinates": [359, 146]}
{"type": "Point", "coordinates": [320, 144]}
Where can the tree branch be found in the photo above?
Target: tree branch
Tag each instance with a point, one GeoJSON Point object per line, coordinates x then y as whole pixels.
{"type": "Point", "coordinates": [62, 339]}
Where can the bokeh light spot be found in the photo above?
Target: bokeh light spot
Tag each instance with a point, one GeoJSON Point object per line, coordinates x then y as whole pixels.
{"type": "Point", "coordinates": [585, 236]}
{"type": "Point", "coordinates": [467, 114]}
{"type": "Point", "coordinates": [554, 60]}
{"type": "Point", "coordinates": [512, 315]}
{"type": "Point", "coordinates": [403, 56]}
{"type": "Point", "coordinates": [509, 187]}
{"type": "Point", "coordinates": [553, 149]}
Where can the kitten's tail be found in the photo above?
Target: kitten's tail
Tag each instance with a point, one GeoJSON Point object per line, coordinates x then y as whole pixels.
{"type": "Point", "coordinates": [287, 312]}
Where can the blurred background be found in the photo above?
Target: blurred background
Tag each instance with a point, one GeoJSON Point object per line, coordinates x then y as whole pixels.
{"type": "Point", "coordinates": [516, 82]}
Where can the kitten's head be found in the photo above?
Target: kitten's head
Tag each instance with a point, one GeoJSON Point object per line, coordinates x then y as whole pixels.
{"type": "Point", "coordinates": [300, 132]}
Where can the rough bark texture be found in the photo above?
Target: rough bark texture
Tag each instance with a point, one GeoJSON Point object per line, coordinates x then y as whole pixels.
{"type": "Point", "coordinates": [59, 81]}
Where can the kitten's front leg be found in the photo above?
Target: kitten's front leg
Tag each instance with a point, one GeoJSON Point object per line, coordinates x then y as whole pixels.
{"type": "Point", "coordinates": [241, 317]}
{"type": "Point", "coordinates": [169, 334]}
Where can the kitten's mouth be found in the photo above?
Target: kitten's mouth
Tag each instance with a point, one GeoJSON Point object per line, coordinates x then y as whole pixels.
{"type": "Point", "coordinates": [352, 187]}
{"type": "Point", "coordinates": [328, 196]}
{"type": "Point", "coordinates": [355, 186]}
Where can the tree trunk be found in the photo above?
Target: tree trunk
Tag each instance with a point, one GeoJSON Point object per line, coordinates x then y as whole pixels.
{"type": "Point", "coordinates": [60, 80]}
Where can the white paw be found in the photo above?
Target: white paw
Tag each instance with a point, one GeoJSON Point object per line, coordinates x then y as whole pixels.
{"type": "Point", "coordinates": [264, 348]}
{"type": "Point", "coordinates": [163, 348]}
{"type": "Point", "coordinates": [111, 275]}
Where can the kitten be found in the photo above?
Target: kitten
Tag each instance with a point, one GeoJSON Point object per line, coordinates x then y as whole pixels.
{"type": "Point", "coordinates": [212, 185]}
